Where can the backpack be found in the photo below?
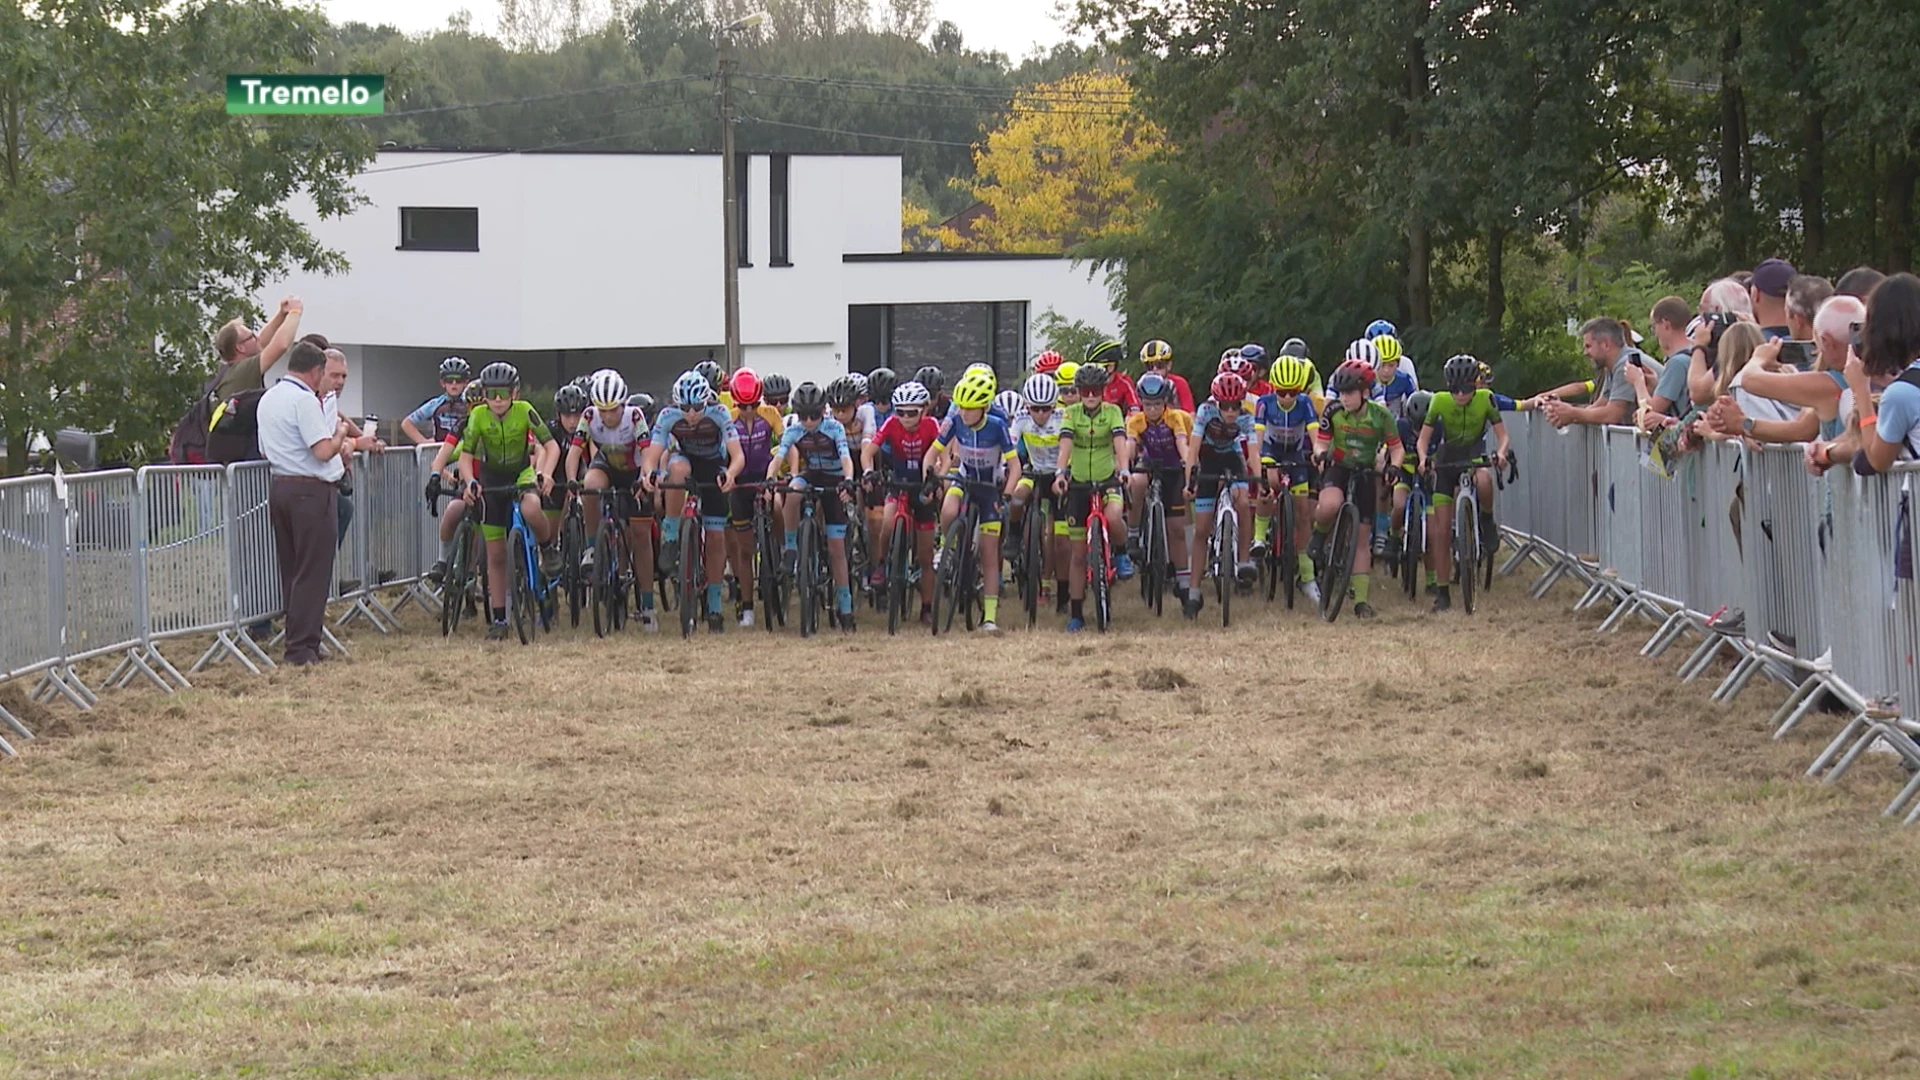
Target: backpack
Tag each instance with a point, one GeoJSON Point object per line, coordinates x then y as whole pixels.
{"type": "Point", "coordinates": [189, 443]}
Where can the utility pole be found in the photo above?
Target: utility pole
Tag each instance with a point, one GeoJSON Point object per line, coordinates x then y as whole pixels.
{"type": "Point", "coordinates": [730, 203]}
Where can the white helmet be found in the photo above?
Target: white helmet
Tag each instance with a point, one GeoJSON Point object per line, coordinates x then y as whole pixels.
{"type": "Point", "coordinates": [1364, 351]}
{"type": "Point", "coordinates": [1009, 402]}
{"type": "Point", "coordinates": [1041, 391]}
{"type": "Point", "coordinates": [912, 395]}
{"type": "Point", "coordinates": [606, 389]}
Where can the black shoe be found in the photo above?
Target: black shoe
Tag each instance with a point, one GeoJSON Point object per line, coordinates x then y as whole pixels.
{"type": "Point", "coordinates": [846, 622]}
{"type": "Point", "coordinates": [1317, 547]}
{"type": "Point", "coordinates": [1441, 600]}
{"type": "Point", "coordinates": [670, 555]}
{"type": "Point", "coordinates": [790, 562]}
{"type": "Point", "coordinates": [1190, 607]}
{"type": "Point", "coordinates": [438, 573]}
{"type": "Point", "coordinates": [716, 623]}
{"type": "Point", "coordinates": [1363, 611]}
{"type": "Point", "coordinates": [497, 632]}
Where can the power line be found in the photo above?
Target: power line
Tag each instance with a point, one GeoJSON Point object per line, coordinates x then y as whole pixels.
{"type": "Point", "coordinates": [858, 134]}
{"type": "Point", "coordinates": [609, 89]}
{"type": "Point", "coordinates": [1090, 97]}
{"type": "Point", "coordinates": [977, 110]}
{"type": "Point", "coordinates": [533, 149]}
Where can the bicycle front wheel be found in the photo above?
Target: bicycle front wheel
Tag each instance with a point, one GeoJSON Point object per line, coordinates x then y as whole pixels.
{"type": "Point", "coordinates": [1155, 549]}
{"type": "Point", "coordinates": [458, 579]}
{"type": "Point", "coordinates": [947, 596]}
{"type": "Point", "coordinates": [1099, 584]}
{"type": "Point", "coordinates": [1033, 559]}
{"type": "Point", "coordinates": [808, 570]}
{"type": "Point", "coordinates": [1288, 570]}
{"type": "Point", "coordinates": [520, 587]}
{"type": "Point", "coordinates": [1227, 535]}
{"type": "Point", "coordinates": [899, 550]}
{"type": "Point", "coordinates": [573, 546]}
{"type": "Point", "coordinates": [690, 540]}
{"type": "Point", "coordinates": [1340, 551]}
{"type": "Point", "coordinates": [1466, 548]}
{"type": "Point", "coordinates": [766, 559]}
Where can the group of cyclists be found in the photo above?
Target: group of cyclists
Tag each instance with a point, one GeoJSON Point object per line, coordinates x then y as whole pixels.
{"type": "Point", "coordinates": [875, 459]}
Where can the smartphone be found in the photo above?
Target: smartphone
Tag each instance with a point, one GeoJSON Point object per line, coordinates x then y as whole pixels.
{"type": "Point", "coordinates": [1853, 338]}
{"type": "Point", "coordinates": [1799, 354]}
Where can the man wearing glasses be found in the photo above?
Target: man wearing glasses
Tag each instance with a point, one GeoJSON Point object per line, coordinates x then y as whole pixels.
{"type": "Point", "coordinates": [245, 357]}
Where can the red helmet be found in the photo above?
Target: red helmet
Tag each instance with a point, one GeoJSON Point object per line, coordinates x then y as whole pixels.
{"type": "Point", "coordinates": [745, 387]}
{"type": "Point", "coordinates": [1351, 375]}
{"type": "Point", "coordinates": [1237, 365]}
{"type": "Point", "coordinates": [1047, 363]}
{"type": "Point", "coordinates": [1229, 386]}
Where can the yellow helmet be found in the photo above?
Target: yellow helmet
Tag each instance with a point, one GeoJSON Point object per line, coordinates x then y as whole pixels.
{"type": "Point", "coordinates": [976, 388]}
{"type": "Point", "coordinates": [1156, 352]}
{"type": "Point", "coordinates": [1388, 347]}
{"type": "Point", "coordinates": [1290, 373]}
{"type": "Point", "coordinates": [1063, 378]}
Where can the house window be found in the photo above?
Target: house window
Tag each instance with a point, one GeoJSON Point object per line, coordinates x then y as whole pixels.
{"type": "Point", "coordinates": [777, 214]}
{"type": "Point", "coordinates": [439, 228]}
{"type": "Point", "coordinates": [740, 216]}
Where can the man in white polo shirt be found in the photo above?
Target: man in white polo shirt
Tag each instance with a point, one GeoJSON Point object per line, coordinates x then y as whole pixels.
{"type": "Point", "coordinates": [304, 452]}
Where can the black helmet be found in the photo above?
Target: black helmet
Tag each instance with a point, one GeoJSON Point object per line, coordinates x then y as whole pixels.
{"type": "Point", "coordinates": [775, 385]}
{"type": "Point", "coordinates": [456, 367]}
{"type": "Point", "coordinates": [1105, 352]}
{"type": "Point", "coordinates": [932, 378]}
{"type": "Point", "coordinates": [1463, 373]}
{"type": "Point", "coordinates": [474, 394]}
{"type": "Point", "coordinates": [843, 392]}
{"type": "Point", "coordinates": [1418, 403]}
{"type": "Point", "coordinates": [1090, 378]}
{"type": "Point", "coordinates": [809, 398]}
{"type": "Point", "coordinates": [643, 402]}
{"type": "Point", "coordinates": [716, 376]}
{"type": "Point", "coordinates": [499, 373]}
{"type": "Point", "coordinates": [569, 399]}
{"type": "Point", "coordinates": [1293, 346]}
{"type": "Point", "coordinates": [881, 382]}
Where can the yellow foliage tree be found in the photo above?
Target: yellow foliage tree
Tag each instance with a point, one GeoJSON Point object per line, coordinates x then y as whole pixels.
{"type": "Point", "coordinates": [1058, 171]}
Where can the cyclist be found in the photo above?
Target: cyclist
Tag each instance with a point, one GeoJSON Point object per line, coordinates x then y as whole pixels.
{"type": "Point", "coordinates": [1036, 430]}
{"type": "Point", "coordinates": [1225, 447]}
{"type": "Point", "coordinates": [609, 445]}
{"type": "Point", "coordinates": [1094, 450]}
{"type": "Point", "coordinates": [1120, 389]}
{"type": "Point", "coordinates": [1294, 346]}
{"type": "Point", "coordinates": [1462, 415]}
{"type": "Point", "coordinates": [1255, 354]}
{"type": "Point", "coordinates": [881, 383]}
{"type": "Point", "coordinates": [643, 402]}
{"type": "Point", "coordinates": [1393, 377]}
{"type": "Point", "coordinates": [445, 413]}
{"type": "Point", "coordinates": [1063, 382]}
{"type": "Point", "coordinates": [506, 444]}
{"type": "Point", "coordinates": [1048, 362]}
{"type": "Point", "coordinates": [1352, 432]}
{"type": "Point", "coordinates": [817, 456]}
{"type": "Point", "coordinates": [978, 447]}
{"type": "Point", "coordinates": [935, 381]}
{"type": "Point", "coordinates": [1378, 327]}
{"type": "Point", "coordinates": [847, 396]}
{"type": "Point", "coordinates": [758, 427]}
{"type": "Point", "coordinates": [904, 440]}
{"type": "Point", "coordinates": [1287, 419]}
{"type": "Point", "coordinates": [706, 451]}
{"type": "Point", "coordinates": [775, 390]}
{"type": "Point", "coordinates": [1161, 434]}
{"type": "Point", "coordinates": [569, 407]}
{"type": "Point", "coordinates": [1156, 357]}
{"type": "Point", "coordinates": [716, 377]}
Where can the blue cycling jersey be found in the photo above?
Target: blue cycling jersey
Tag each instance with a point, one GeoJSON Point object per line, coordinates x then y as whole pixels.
{"type": "Point", "coordinates": [981, 451]}
{"type": "Point", "coordinates": [704, 434]}
{"type": "Point", "coordinates": [1394, 392]}
{"type": "Point", "coordinates": [1218, 432]}
{"type": "Point", "coordinates": [1286, 429]}
{"type": "Point", "coordinates": [820, 449]}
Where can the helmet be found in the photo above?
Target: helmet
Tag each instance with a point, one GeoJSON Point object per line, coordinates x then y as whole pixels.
{"type": "Point", "coordinates": [715, 375]}
{"type": "Point", "coordinates": [911, 395]}
{"type": "Point", "coordinates": [456, 367]}
{"type": "Point", "coordinates": [692, 391]}
{"type": "Point", "coordinates": [775, 385]}
{"type": "Point", "coordinates": [1388, 347]}
{"type": "Point", "coordinates": [499, 373]}
{"type": "Point", "coordinates": [1108, 352]}
{"type": "Point", "coordinates": [1417, 403]}
{"type": "Point", "coordinates": [1463, 373]}
{"type": "Point", "coordinates": [971, 368]}
{"type": "Point", "coordinates": [975, 389]}
{"type": "Point", "coordinates": [745, 385]}
{"type": "Point", "coordinates": [1229, 386]}
{"type": "Point", "coordinates": [1063, 377]}
{"type": "Point", "coordinates": [1293, 346]}
{"type": "Point", "coordinates": [1351, 375]}
{"type": "Point", "coordinates": [932, 378]}
{"type": "Point", "coordinates": [569, 400]}
{"type": "Point", "coordinates": [1254, 353]}
{"type": "Point", "coordinates": [859, 383]}
{"type": "Point", "coordinates": [1156, 352]}
{"type": "Point", "coordinates": [1228, 354]}
{"type": "Point", "coordinates": [1378, 327]}
{"type": "Point", "coordinates": [1486, 372]}
{"type": "Point", "coordinates": [809, 399]}
{"type": "Point", "coordinates": [881, 382]}
{"type": "Point", "coordinates": [1363, 350]}
{"type": "Point", "coordinates": [1041, 391]}
{"type": "Point", "coordinates": [643, 402]}
{"type": "Point", "coordinates": [581, 381]}
{"type": "Point", "coordinates": [1090, 379]}
{"type": "Point", "coordinates": [607, 389]}
{"type": "Point", "coordinates": [1290, 373]}
{"type": "Point", "coordinates": [1155, 387]}
{"type": "Point", "coordinates": [1009, 401]}
{"type": "Point", "coordinates": [474, 394]}
{"type": "Point", "coordinates": [842, 392]}
{"type": "Point", "coordinates": [1048, 362]}
{"type": "Point", "coordinates": [1237, 364]}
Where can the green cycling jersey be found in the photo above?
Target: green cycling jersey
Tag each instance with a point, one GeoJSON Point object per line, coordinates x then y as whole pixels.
{"type": "Point", "coordinates": [501, 442]}
{"type": "Point", "coordinates": [1092, 433]}
{"type": "Point", "coordinates": [1462, 428]}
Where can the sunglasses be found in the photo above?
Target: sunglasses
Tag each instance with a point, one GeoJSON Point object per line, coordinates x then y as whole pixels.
{"type": "Point", "coordinates": [810, 415]}
{"type": "Point", "coordinates": [907, 413]}
{"type": "Point", "coordinates": [499, 394]}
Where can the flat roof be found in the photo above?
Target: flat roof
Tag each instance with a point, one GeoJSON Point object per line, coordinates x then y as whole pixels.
{"type": "Point", "coordinates": [947, 256]}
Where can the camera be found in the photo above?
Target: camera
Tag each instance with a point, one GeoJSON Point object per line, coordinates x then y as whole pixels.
{"type": "Point", "coordinates": [1718, 320]}
{"type": "Point", "coordinates": [1855, 340]}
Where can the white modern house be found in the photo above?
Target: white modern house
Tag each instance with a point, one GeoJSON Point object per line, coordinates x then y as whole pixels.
{"type": "Point", "coordinates": [566, 262]}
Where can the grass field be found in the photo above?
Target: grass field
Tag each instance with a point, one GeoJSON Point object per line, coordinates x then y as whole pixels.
{"type": "Point", "coordinates": [1505, 846]}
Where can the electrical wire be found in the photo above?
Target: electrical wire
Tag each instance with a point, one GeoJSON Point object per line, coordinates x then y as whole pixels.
{"type": "Point", "coordinates": [1089, 97]}
{"type": "Point", "coordinates": [482, 156]}
{"type": "Point", "coordinates": [858, 134]}
{"type": "Point", "coordinates": [556, 96]}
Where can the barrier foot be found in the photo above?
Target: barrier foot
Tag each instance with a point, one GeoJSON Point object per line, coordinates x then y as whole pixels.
{"type": "Point", "coordinates": [166, 668]}
{"type": "Point", "coordinates": [1596, 592]}
{"type": "Point", "coordinates": [1702, 656]}
{"type": "Point", "coordinates": [1669, 632]}
{"type": "Point", "coordinates": [416, 593]}
{"type": "Point", "coordinates": [1797, 705]}
{"type": "Point", "coordinates": [224, 646]}
{"type": "Point", "coordinates": [330, 643]}
{"type": "Point", "coordinates": [1546, 582]}
{"type": "Point", "coordinates": [1631, 603]}
{"type": "Point", "coordinates": [1853, 753]}
{"type": "Point", "coordinates": [247, 644]}
{"type": "Point", "coordinates": [1738, 678]}
{"type": "Point", "coordinates": [1838, 743]}
{"type": "Point", "coordinates": [56, 683]}
{"type": "Point", "coordinates": [361, 609]}
{"type": "Point", "coordinates": [7, 749]}
{"type": "Point", "coordinates": [134, 663]}
{"type": "Point", "coordinates": [1910, 754]}
{"type": "Point", "coordinates": [13, 722]}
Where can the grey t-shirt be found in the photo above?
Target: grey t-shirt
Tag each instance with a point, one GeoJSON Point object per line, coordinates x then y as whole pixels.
{"type": "Point", "coordinates": [1613, 383]}
{"type": "Point", "coordinates": [1673, 381]}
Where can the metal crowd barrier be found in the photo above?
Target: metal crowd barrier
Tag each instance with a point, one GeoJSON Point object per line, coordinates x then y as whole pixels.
{"type": "Point", "coordinates": [32, 575]}
{"type": "Point", "coordinates": [1806, 581]}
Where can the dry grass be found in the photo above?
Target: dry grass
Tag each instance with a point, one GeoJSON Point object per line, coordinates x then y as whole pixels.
{"type": "Point", "coordinates": [1508, 847]}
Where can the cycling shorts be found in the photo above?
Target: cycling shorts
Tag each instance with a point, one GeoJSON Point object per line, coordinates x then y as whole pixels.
{"type": "Point", "coordinates": [825, 491]}
{"type": "Point", "coordinates": [1294, 473]}
{"type": "Point", "coordinates": [1446, 480]}
{"type": "Point", "coordinates": [986, 500]}
{"type": "Point", "coordinates": [915, 504]}
{"type": "Point", "coordinates": [1362, 488]}
{"type": "Point", "coordinates": [1219, 463]}
{"type": "Point", "coordinates": [1080, 506]}
{"type": "Point", "coordinates": [740, 501]}
{"type": "Point", "coordinates": [496, 508]}
{"type": "Point", "coordinates": [705, 473]}
{"type": "Point", "coordinates": [1173, 490]}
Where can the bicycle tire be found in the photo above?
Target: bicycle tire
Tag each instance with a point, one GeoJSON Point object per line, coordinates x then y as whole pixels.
{"type": "Point", "coordinates": [1289, 568]}
{"type": "Point", "coordinates": [1340, 551]}
{"type": "Point", "coordinates": [689, 583]}
{"type": "Point", "coordinates": [453, 586]}
{"type": "Point", "coordinates": [1155, 550]}
{"type": "Point", "coordinates": [1033, 558]}
{"type": "Point", "coordinates": [1486, 553]}
{"type": "Point", "coordinates": [899, 552]}
{"type": "Point", "coordinates": [1227, 535]}
{"type": "Point", "coordinates": [598, 587]}
{"type": "Point", "coordinates": [1412, 546]}
{"type": "Point", "coordinates": [947, 588]}
{"type": "Point", "coordinates": [1466, 552]}
{"type": "Point", "coordinates": [622, 557]}
{"type": "Point", "coordinates": [807, 570]}
{"type": "Point", "coordinates": [573, 545]}
{"type": "Point", "coordinates": [519, 589]}
{"type": "Point", "coordinates": [766, 574]}
{"type": "Point", "coordinates": [1098, 582]}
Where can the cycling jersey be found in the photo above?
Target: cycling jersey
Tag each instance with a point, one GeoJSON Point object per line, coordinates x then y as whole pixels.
{"type": "Point", "coordinates": [441, 416]}
{"type": "Point", "coordinates": [1120, 392]}
{"type": "Point", "coordinates": [993, 409]}
{"type": "Point", "coordinates": [1395, 391]}
{"type": "Point", "coordinates": [980, 452]}
{"type": "Point", "coordinates": [860, 424]}
{"type": "Point", "coordinates": [1092, 433]}
{"type": "Point", "coordinates": [1284, 432]}
{"type": "Point", "coordinates": [1159, 440]}
{"type": "Point", "coordinates": [1462, 428]}
{"type": "Point", "coordinates": [1039, 443]}
{"type": "Point", "coordinates": [820, 449]}
{"type": "Point", "coordinates": [503, 443]}
{"type": "Point", "coordinates": [1218, 432]}
{"type": "Point", "coordinates": [618, 445]}
{"type": "Point", "coordinates": [907, 449]}
{"type": "Point", "coordinates": [755, 429]}
{"type": "Point", "coordinates": [704, 434]}
{"type": "Point", "coordinates": [1357, 437]}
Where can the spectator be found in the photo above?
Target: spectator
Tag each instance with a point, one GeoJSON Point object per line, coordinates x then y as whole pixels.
{"type": "Point", "coordinates": [304, 454]}
{"type": "Point", "coordinates": [245, 357]}
{"type": "Point", "coordinates": [1820, 394]}
{"type": "Point", "coordinates": [1669, 324]}
{"type": "Point", "coordinates": [1605, 343]}
{"type": "Point", "coordinates": [1805, 294]}
{"type": "Point", "coordinates": [1728, 297]}
{"type": "Point", "coordinates": [331, 384]}
{"type": "Point", "coordinates": [1859, 282]}
{"type": "Point", "coordinates": [1768, 291]}
{"type": "Point", "coordinates": [1891, 334]}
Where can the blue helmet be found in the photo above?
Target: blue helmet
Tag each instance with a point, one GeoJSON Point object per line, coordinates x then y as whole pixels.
{"type": "Point", "coordinates": [1256, 354]}
{"type": "Point", "coordinates": [1155, 387]}
{"type": "Point", "coordinates": [1380, 326]}
{"type": "Point", "coordinates": [692, 391]}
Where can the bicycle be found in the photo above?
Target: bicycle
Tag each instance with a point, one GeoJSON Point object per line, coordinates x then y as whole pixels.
{"type": "Point", "coordinates": [1283, 551]}
{"type": "Point", "coordinates": [529, 592]}
{"type": "Point", "coordinates": [456, 587]}
{"type": "Point", "coordinates": [1413, 540]}
{"type": "Point", "coordinates": [1336, 575]}
{"type": "Point", "coordinates": [899, 557]}
{"type": "Point", "coordinates": [1223, 547]}
{"type": "Point", "coordinates": [573, 546]}
{"type": "Point", "coordinates": [769, 584]}
{"type": "Point", "coordinates": [813, 572]}
{"type": "Point", "coordinates": [1100, 572]}
{"type": "Point", "coordinates": [612, 558]}
{"type": "Point", "coordinates": [1156, 559]}
{"type": "Point", "coordinates": [691, 576]}
{"type": "Point", "coordinates": [1029, 561]}
{"type": "Point", "coordinates": [959, 581]}
{"type": "Point", "coordinates": [1468, 552]}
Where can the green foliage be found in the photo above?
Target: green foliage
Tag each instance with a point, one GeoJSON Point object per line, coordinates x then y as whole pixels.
{"type": "Point", "coordinates": [1069, 338]}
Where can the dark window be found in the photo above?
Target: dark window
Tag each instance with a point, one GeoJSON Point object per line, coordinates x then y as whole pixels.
{"type": "Point", "coordinates": [439, 228]}
{"type": "Point", "coordinates": [777, 215]}
{"type": "Point", "coordinates": [740, 216]}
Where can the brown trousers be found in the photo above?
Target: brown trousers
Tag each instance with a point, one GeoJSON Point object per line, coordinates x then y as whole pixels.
{"type": "Point", "coordinates": [305, 525]}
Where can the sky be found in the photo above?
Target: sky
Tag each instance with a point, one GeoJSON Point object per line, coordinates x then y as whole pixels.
{"type": "Point", "coordinates": [1013, 27]}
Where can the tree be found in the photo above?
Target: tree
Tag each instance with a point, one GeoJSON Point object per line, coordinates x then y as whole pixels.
{"type": "Point", "coordinates": [1058, 171]}
{"type": "Point", "coordinates": [135, 213]}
